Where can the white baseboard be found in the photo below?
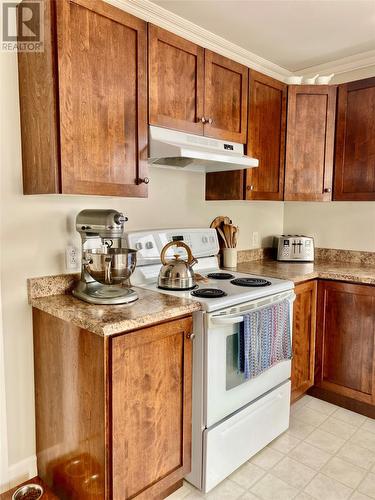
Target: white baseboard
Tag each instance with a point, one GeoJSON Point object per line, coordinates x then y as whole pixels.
{"type": "Point", "coordinates": [20, 472]}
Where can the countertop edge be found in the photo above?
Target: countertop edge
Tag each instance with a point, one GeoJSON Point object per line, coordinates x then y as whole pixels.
{"type": "Point", "coordinates": [357, 274]}
{"type": "Point", "coordinates": [115, 328]}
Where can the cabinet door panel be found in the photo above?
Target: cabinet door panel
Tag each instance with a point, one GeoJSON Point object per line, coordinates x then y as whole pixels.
{"type": "Point", "coordinates": [355, 142]}
{"type": "Point", "coordinates": [151, 409]}
{"type": "Point", "coordinates": [103, 99]}
{"type": "Point", "coordinates": [225, 98]}
{"type": "Point", "coordinates": [310, 143]}
{"type": "Point", "coordinates": [345, 340]}
{"type": "Point", "coordinates": [266, 137]}
{"type": "Point", "coordinates": [304, 322]}
{"type": "Point", "coordinates": [176, 80]}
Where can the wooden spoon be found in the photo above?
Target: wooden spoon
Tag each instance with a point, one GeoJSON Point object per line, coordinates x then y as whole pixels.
{"type": "Point", "coordinates": [228, 234]}
{"type": "Point", "coordinates": [219, 230]}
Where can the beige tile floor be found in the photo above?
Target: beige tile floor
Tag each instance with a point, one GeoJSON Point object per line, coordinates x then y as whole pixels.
{"type": "Point", "coordinates": [328, 453]}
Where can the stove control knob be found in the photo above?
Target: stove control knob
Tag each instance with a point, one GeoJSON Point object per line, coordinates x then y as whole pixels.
{"type": "Point", "coordinates": [205, 239]}
{"type": "Point", "coordinates": [149, 245]}
{"type": "Point", "coordinates": [138, 245]}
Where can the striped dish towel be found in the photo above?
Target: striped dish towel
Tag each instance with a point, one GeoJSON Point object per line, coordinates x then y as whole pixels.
{"type": "Point", "coordinates": [264, 339]}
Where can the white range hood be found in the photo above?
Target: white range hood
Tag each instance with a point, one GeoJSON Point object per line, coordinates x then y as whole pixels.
{"type": "Point", "coordinates": [180, 150]}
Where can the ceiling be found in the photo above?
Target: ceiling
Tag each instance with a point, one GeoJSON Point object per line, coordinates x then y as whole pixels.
{"type": "Point", "coordinates": [294, 34]}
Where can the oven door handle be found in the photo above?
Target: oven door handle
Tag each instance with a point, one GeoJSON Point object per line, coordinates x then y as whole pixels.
{"type": "Point", "coordinates": [227, 321]}
{"type": "Point", "coordinates": [233, 320]}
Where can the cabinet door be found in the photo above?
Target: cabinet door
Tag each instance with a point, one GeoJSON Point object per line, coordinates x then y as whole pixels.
{"type": "Point", "coordinates": [151, 409]}
{"type": "Point", "coordinates": [355, 141]}
{"type": "Point", "coordinates": [266, 137]}
{"type": "Point", "coordinates": [176, 81]}
{"type": "Point", "coordinates": [345, 355]}
{"type": "Point", "coordinates": [102, 65]}
{"type": "Point", "coordinates": [304, 321]}
{"type": "Point", "coordinates": [225, 105]}
{"type": "Point", "coordinates": [310, 143]}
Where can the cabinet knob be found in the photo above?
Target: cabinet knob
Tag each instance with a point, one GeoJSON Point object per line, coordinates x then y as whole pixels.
{"type": "Point", "coordinates": [190, 336]}
{"type": "Point", "coordinates": [210, 121]}
{"type": "Point", "coordinates": [145, 180]}
{"type": "Point", "coordinates": [328, 190]}
{"type": "Point", "coordinates": [203, 119]}
{"type": "Point", "coordinates": [250, 188]}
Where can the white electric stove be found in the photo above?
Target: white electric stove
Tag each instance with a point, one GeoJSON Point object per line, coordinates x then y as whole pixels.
{"type": "Point", "coordinates": [233, 418]}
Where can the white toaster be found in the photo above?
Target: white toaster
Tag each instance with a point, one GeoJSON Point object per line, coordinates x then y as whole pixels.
{"type": "Point", "coordinates": [295, 248]}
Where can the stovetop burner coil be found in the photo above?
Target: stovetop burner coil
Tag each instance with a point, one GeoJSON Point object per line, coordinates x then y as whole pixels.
{"type": "Point", "coordinates": [208, 293]}
{"type": "Point", "coordinates": [220, 276]}
{"type": "Point", "coordinates": [251, 282]}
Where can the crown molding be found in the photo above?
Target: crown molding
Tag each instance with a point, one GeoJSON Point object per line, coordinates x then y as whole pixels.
{"type": "Point", "coordinates": [153, 13]}
{"type": "Point", "coordinates": [150, 12]}
{"type": "Point", "coordinates": [343, 65]}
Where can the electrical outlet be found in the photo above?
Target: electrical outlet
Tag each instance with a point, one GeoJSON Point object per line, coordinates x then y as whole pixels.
{"type": "Point", "coordinates": [255, 239]}
{"type": "Point", "coordinates": [71, 258]}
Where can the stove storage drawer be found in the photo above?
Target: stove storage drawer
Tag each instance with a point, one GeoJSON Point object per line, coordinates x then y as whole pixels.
{"type": "Point", "coordinates": [229, 444]}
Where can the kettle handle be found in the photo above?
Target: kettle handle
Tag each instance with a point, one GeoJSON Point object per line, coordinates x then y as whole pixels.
{"type": "Point", "coordinates": [191, 259]}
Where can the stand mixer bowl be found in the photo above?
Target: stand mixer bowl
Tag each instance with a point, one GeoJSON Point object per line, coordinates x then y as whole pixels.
{"type": "Point", "coordinates": [110, 266]}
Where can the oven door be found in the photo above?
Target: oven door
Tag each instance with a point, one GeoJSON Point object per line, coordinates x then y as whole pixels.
{"type": "Point", "coordinates": [226, 388]}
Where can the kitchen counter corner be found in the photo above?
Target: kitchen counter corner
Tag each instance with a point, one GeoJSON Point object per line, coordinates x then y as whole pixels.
{"type": "Point", "coordinates": [151, 308]}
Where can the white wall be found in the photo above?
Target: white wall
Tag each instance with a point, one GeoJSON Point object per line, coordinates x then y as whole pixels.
{"type": "Point", "coordinates": [36, 229]}
{"type": "Point", "coordinates": [346, 225]}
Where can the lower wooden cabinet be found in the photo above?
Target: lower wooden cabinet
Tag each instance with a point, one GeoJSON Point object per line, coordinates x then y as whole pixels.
{"type": "Point", "coordinates": [345, 351]}
{"type": "Point", "coordinates": [113, 414]}
{"type": "Point", "coordinates": [304, 321]}
{"type": "Point", "coordinates": [151, 410]}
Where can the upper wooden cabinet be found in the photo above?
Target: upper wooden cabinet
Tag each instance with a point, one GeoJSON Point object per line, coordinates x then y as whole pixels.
{"type": "Point", "coordinates": [310, 142]}
{"type": "Point", "coordinates": [265, 141]}
{"type": "Point", "coordinates": [355, 141]}
{"type": "Point", "coordinates": [84, 102]}
{"type": "Point", "coordinates": [176, 81]}
{"type": "Point", "coordinates": [195, 90]}
{"type": "Point", "coordinates": [304, 326]}
{"type": "Point", "coordinates": [266, 137]}
{"type": "Point", "coordinates": [225, 99]}
{"type": "Point", "coordinates": [345, 344]}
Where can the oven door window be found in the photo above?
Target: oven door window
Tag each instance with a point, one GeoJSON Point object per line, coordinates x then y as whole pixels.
{"type": "Point", "coordinates": [234, 377]}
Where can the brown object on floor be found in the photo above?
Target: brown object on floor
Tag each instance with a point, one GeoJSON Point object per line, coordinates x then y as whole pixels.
{"type": "Point", "coordinates": [47, 495]}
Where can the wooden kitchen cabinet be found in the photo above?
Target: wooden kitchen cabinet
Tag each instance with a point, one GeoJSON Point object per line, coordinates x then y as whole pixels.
{"type": "Point", "coordinates": [345, 353]}
{"type": "Point", "coordinates": [310, 143]}
{"type": "Point", "coordinates": [304, 323]}
{"type": "Point", "coordinates": [225, 106]}
{"type": "Point", "coordinates": [84, 102]}
{"type": "Point", "coordinates": [151, 409]}
{"type": "Point", "coordinates": [265, 141]}
{"type": "Point", "coordinates": [113, 414]}
{"type": "Point", "coordinates": [176, 81]}
{"type": "Point", "coordinates": [266, 137]}
{"type": "Point", "coordinates": [355, 142]}
{"type": "Point", "coordinates": [195, 90]}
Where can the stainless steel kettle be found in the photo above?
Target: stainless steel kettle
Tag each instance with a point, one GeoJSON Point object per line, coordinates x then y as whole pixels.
{"type": "Point", "coordinates": [177, 273]}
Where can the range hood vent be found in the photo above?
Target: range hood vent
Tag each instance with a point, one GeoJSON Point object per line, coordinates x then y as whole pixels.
{"type": "Point", "coordinates": [179, 150]}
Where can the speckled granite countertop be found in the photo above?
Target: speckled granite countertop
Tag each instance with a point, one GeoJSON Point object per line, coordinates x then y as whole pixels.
{"type": "Point", "coordinates": [298, 272]}
{"type": "Point", "coordinates": [47, 294]}
{"type": "Point", "coordinates": [51, 294]}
